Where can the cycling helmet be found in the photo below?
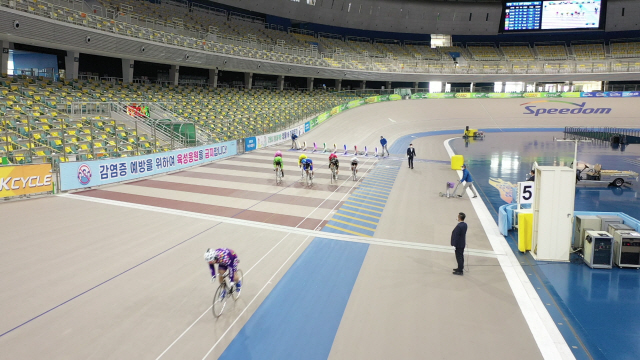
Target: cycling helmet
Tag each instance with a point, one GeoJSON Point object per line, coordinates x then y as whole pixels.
{"type": "Point", "coordinates": [333, 156]}
{"type": "Point", "coordinates": [210, 255]}
{"type": "Point", "coordinates": [278, 153]}
{"type": "Point", "coordinates": [354, 159]}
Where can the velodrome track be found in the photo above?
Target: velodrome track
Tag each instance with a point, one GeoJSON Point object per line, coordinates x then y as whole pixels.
{"type": "Point", "coordinates": [118, 273]}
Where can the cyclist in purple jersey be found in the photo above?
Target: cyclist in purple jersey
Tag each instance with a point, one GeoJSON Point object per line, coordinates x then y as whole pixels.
{"type": "Point", "coordinates": [226, 259]}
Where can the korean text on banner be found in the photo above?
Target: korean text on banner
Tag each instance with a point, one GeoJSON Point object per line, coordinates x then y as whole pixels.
{"type": "Point", "coordinates": [78, 175]}
{"type": "Point", "coordinates": [25, 179]}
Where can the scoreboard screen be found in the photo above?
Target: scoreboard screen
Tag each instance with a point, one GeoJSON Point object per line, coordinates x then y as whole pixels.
{"type": "Point", "coordinates": [546, 15]}
{"type": "Point", "coordinates": [523, 15]}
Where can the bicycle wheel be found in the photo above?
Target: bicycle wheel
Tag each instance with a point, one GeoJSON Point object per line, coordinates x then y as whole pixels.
{"type": "Point", "coordinates": [333, 174]}
{"type": "Point", "coordinates": [219, 300]}
{"type": "Point", "coordinates": [354, 174]}
{"type": "Point", "coordinates": [308, 178]}
{"type": "Point", "coordinates": [278, 175]}
{"type": "Point", "coordinates": [236, 292]}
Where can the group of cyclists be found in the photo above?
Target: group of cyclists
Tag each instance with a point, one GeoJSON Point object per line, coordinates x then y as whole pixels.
{"type": "Point", "coordinates": [227, 259]}
{"type": "Point", "coordinates": [306, 164]}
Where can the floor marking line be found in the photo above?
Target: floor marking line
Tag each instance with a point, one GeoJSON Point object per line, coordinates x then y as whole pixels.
{"type": "Point", "coordinates": [361, 203]}
{"type": "Point", "coordinates": [362, 214]}
{"type": "Point", "coordinates": [370, 196]}
{"type": "Point", "coordinates": [345, 230]}
{"type": "Point", "coordinates": [354, 218]}
{"type": "Point", "coordinates": [546, 334]}
{"type": "Point", "coordinates": [391, 120]}
{"type": "Point", "coordinates": [366, 190]}
{"type": "Point", "coordinates": [286, 229]}
{"type": "Point", "coordinates": [352, 224]}
{"type": "Point", "coordinates": [361, 208]}
{"type": "Point", "coordinates": [378, 183]}
{"type": "Point", "coordinates": [375, 186]}
{"type": "Point", "coordinates": [364, 198]}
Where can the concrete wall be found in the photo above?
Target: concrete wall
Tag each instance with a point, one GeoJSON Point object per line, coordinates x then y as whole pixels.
{"type": "Point", "coordinates": [406, 16]}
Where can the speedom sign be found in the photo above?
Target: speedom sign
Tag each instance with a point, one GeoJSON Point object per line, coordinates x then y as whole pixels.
{"type": "Point", "coordinates": [570, 108]}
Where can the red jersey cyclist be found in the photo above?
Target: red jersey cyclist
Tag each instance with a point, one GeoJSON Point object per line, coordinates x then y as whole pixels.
{"type": "Point", "coordinates": [226, 259]}
{"type": "Point", "coordinates": [333, 160]}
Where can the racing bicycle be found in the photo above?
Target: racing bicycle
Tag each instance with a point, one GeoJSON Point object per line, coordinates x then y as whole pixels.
{"type": "Point", "coordinates": [309, 177]}
{"type": "Point", "coordinates": [278, 174]}
{"type": "Point", "coordinates": [354, 172]}
{"type": "Point", "coordinates": [224, 291]}
{"type": "Point", "coordinates": [334, 174]}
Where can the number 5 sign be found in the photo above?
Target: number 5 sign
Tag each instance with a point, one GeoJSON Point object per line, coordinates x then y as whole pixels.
{"type": "Point", "coordinates": [525, 192]}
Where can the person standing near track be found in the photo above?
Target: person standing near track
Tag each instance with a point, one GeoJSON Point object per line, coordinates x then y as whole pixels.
{"type": "Point", "coordinates": [383, 142]}
{"type": "Point", "coordinates": [468, 183]}
{"type": "Point", "coordinates": [294, 137]}
{"type": "Point", "coordinates": [411, 152]}
{"type": "Point", "coordinates": [459, 241]}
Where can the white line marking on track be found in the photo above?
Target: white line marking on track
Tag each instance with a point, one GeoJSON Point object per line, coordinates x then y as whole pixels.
{"type": "Point", "coordinates": [286, 229]}
{"type": "Point", "coordinates": [390, 119]}
{"type": "Point", "coordinates": [546, 334]}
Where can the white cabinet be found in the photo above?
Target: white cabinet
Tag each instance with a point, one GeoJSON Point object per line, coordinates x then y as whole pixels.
{"type": "Point", "coordinates": [553, 213]}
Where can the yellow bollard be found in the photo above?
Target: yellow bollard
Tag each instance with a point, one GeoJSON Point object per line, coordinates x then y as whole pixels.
{"type": "Point", "coordinates": [456, 162]}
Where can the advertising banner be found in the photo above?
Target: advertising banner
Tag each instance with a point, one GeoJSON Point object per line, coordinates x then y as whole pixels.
{"type": "Point", "coordinates": [504, 95]}
{"type": "Point", "coordinates": [324, 116]}
{"type": "Point", "coordinates": [78, 175]}
{"type": "Point", "coordinates": [25, 179]}
{"type": "Point", "coordinates": [570, 95]}
{"type": "Point", "coordinates": [260, 141]}
{"type": "Point", "coordinates": [441, 95]}
{"type": "Point", "coordinates": [472, 95]}
{"type": "Point", "coordinates": [307, 126]}
{"type": "Point", "coordinates": [355, 103]}
{"type": "Point", "coordinates": [250, 144]}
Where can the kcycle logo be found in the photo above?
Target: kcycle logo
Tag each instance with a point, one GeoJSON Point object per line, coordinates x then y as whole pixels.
{"type": "Point", "coordinates": [578, 109]}
{"type": "Point", "coordinates": [84, 174]}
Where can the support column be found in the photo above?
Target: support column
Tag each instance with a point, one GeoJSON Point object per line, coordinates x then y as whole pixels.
{"type": "Point", "coordinates": [535, 86]}
{"type": "Point", "coordinates": [127, 71]}
{"type": "Point", "coordinates": [4, 61]}
{"type": "Point", "coordinates": [174, 74]}
{"type": "Point", "coordinates": [416, 85]}
{"type": "Point", "coordinates": [280, 82]}
{"type": "Point", "coordinates": [363, 85]}
{"type": "Point", "coordinates": [213, 78]}
{"type": "Point", "coordinates": [388, 85]}
{"type": "Point", "coordinates": [338, 84]}
{"type": "Point", "coordinates": [471, 86]}
{"type": "Point", "coordinates": [71, 64]}
{"type": "Point", "coordinates": [248, 80]}
{"type": "Point", "coordinates": [309, 83]}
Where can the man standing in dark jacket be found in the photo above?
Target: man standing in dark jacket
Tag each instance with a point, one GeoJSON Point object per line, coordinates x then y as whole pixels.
{"type": "Point", "coordinates": [459, 241]}
{"type": "Point", "coordinates": [411, 152]}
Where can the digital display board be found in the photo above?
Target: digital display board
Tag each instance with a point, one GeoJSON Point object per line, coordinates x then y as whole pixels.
{"type": "Point", "coordinates": [523, 15]}
{"type": "Point", "coordinates": [546, 15]}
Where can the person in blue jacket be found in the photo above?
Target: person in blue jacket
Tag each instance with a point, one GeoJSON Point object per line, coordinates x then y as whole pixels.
{"type": "Point", "coordinates": [468, 180]}
{"type": "Point", "coordinates": [383, 142]}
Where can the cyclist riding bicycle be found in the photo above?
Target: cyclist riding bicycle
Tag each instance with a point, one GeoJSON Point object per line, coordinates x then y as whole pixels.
{"type": "Point", "coordinates": [226, 259]}
{"type": "Point", "coordinates": [307, 164]}
{"type": "Point", "coordinates": [300, 158]}
{"type": "Point", "coordinates": [333, 160]}
{"type": "Point", "coordinates": [277, 161]}
{"type": "Point", "coordinates": [354, 164]}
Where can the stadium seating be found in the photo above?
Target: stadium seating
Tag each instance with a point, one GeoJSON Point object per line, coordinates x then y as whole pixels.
{"type": "Point", "coordinates": [588, 51]}
{"type": "Point", "coordinates": [551, 52]}
{"type": "Point", "coordinates": [517, 52]}
{"type": "Point", "coordinates": [484, 52]}
{"type": "Point", "coordinates": [37, 120]}
{"type": "Point", "coordinates": [625, 49]}
{"type": "Point", "coordinates": [423, 52]}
